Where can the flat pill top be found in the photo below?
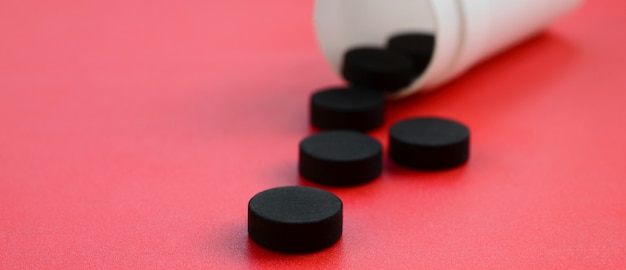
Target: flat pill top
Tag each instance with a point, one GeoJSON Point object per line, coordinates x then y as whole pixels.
{"type": "Point", "coordinates": [429, 131]}
{"type": "Point", "coordinates": [341, 146]}
{"type": "Point", "coordinates": [295, 205]}
{"type": "Point", "coordinates": [378, 60]}
{"type": "Point", "coordinates": [351, 99]}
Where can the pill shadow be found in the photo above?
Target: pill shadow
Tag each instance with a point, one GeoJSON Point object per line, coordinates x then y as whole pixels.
{"type": "Point", "coordinates": [398, 173]}
{"type": "Point", "coordinates": [340, 190]}
{"type": "Point", "coordinates": [228, 243]}
{"type": "Point", "coordinates": [232, 244]}
{"type": "Point", "coordinates": [391, 172]}
{"type": "Point", "coordinates": [287, 174]}
{"type": "Point", "coordinates": [258, 256]}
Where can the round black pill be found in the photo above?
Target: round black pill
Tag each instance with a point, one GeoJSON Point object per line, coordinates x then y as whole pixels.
{"type": "Point", "coordinates": [347, 108]}
{"type": "Point", "coordinates": [295, 219]}
{"type": "Point", "coordinates": [378, 69]}
{"type": "Point", "coordinates": [340, 158]}
{"type": "Point", "coordinates": [419, 47]}
{"type": "Point", "coordinates": [429, 143]}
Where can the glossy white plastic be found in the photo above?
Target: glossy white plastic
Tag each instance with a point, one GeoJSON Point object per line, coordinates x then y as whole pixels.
{"type": "Point", "coordinates": [466, 31]}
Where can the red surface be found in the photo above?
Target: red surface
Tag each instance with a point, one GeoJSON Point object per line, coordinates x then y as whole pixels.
{"type": "Point", "coordinates": [133, 134]}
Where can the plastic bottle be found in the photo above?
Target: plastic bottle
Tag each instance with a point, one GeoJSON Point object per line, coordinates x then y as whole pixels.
{"type": "Point", "coordinates": [466, 31]}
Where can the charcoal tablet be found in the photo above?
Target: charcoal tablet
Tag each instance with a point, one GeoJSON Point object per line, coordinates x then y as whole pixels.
{"type": "Point", "coordinates": [419, 47]}
{"type": "Point", "coordinates": [340, 158]}
{"type": "Point", "coordinates": [378, 69]}
{"type": "Point", "coordinates": [429, 143]}
{"type": "Point", "coordinates": [295, 219]}
{"type": "Point", "coordinates": [347, 108]}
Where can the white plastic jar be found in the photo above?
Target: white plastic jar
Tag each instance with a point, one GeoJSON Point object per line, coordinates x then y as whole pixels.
{"type": "Point", "coordinates": [465, 31]}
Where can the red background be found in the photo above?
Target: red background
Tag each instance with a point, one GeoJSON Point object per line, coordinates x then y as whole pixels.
{"type": "Point", "coordinates": [133, 134]}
